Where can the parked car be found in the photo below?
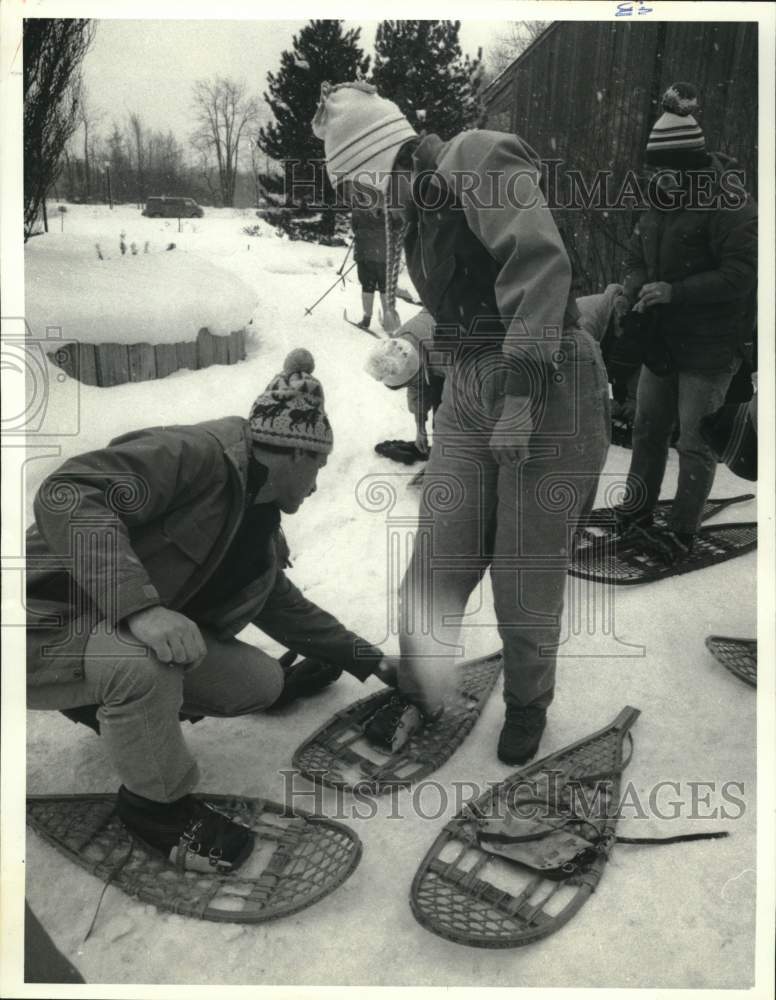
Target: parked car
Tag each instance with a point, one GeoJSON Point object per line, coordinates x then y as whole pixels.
{"type": "Point", "coordinates": [172, 208]}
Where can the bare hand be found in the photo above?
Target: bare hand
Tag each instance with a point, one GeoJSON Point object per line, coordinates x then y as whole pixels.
{"type": "Point", "coordinates": [421, 442]}
{"type": "Point", "coordinates": [654, 293]}
{"type": "Point", "coordinates": [621, 305]}
{"type": "Point", "coordinates": [171, 636]}
{"type": "Point", "coordinates": [510, 440]}
{"type": "Point", "coordinates": [386, 670]}
{"type": "Point", "coordinates": [391, 321]}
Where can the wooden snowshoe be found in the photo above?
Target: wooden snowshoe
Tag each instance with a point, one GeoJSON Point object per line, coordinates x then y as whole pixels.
{"type": "Point", "coordinates": [339, 754]}
{"type": "Point", "coordinates": [738, 655]}
{"type": "Point", "coordinates": [628, 561]}
{"type": "Point", "coordinates": [565, 807]}
{"type": "Point", "coordinates": [297, 859]}
{"type": "Point", "coordinates": [601, 526]}
{"type": "Point", "coordinates": [516, 864]}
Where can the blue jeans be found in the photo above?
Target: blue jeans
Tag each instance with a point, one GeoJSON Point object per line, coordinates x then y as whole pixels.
{"type": "Point", "coordinates": [518, 519]}
{"type": "Point", "coordinates": [661, 401]}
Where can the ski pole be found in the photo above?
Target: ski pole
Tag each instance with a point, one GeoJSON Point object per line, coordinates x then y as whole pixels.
{"type": "Point", "coordinates": [309, 309]}
{"type": "Point", "coordinates": [350, 247]}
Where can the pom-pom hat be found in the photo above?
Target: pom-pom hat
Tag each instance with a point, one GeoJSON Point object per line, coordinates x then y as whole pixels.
{"type": "Point", "coordinates": [289, 413]}
{"type": "Point", "coordinates": [361, 132]}
{"type": "Point", "coordinates": [676, 140]}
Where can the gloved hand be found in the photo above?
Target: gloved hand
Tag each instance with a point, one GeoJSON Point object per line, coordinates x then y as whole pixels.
{"type": "Point", "coordinates": [304, 678]}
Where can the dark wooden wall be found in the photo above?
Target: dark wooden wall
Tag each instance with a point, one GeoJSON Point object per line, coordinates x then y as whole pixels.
{"type": "Point", "coordinates": [588, 93]}
{"type": "Point", "coordinates": [114, 364]}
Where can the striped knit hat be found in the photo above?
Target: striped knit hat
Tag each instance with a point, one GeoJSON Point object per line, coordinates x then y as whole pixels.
{"type": "Point", "coordinates": [361, 132]}
{"type": "Point", "coordinates": [676, 140]}
{"type": "Point", "coordinates": [289, 413]}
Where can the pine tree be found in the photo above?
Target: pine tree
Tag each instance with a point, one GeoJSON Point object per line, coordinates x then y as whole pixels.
{"type": "Point", "coordinates": [321, 51]}
{"type": "Point", "coordinates": [420, 66]}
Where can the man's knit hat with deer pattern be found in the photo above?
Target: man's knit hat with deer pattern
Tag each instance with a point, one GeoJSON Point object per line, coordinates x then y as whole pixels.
{"type": "Point", "coordinates": [289, 413]}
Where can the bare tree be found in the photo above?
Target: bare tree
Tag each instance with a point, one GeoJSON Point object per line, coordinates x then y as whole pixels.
{"type": "Point", "coordinates": [53, 51]}
{"type": "Point", "coordinates": [224, 114]}
{"type": "Point", "coordinates": [206, 171]}
{"type": "Point", "coordinates": [136, 130]}
{"type": "Point", "coordinates": [511, 43]}
{"type": "Point", "coordinates": [88, 119]}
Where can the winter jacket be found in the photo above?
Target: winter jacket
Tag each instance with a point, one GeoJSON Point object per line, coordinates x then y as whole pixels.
{"type": "Point", "coordinates": [156, 510]}
{"type": "Point", "coordinates": [709, 257]}
{"type": "Point", "coordinates": [483, 250]}
{"type": "Point", "coordinates": [368, 235]}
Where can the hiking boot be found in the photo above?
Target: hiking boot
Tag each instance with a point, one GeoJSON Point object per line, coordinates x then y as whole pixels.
{"type": "Point", "coordinates": [188, 832]}
{"type": "Point", "coordinates": [365, 321]}
{"type": "Point", "coordinates": [669, 546]}
{"type": "Point", "coordinates": [522, 732]}
{"type": "Point", "coordinates": [394, 723]}
{"type": "Point", "coordinates": [626, 519]}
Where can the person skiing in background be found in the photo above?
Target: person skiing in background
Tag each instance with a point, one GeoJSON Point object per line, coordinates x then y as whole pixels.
{"type": "Point", "coordinates": [369, 255]}
{"type": "Point", "coordinates": [402, 362]}
{"type": "Point", "coordinates": [692, 278]}
{"type": "Point", "coordinates": [184, 550]}
{"type": "Point", "coordinates": [524, 418]}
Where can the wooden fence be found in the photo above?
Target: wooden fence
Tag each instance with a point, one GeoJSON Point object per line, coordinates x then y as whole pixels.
{"type": "Point", "coordinates": [587, 93]}
{"type": "Point", "coordinates": [114, 364]}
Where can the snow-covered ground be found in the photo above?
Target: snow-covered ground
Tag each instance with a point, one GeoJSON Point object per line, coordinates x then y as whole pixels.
{"type": "Point", "coordinates": [673, 916]}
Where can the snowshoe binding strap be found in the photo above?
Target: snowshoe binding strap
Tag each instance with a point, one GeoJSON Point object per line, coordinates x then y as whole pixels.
{"type": "Point", "coordinates": [393, 724]}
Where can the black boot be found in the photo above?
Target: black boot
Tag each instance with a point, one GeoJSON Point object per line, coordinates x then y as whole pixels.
{"type": "Point", "coordinates": [670, 547]}
{"type": "Point", "coordinates": [188, 832]}
{"type": "Point", "coordinates": [522, 732]}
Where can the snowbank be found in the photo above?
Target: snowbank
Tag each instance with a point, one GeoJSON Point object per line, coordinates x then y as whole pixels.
{"type": "Point", "coordinates": [157, 296]}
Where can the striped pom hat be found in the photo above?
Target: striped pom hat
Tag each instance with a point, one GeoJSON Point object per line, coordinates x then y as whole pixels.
{"type": "Point", "coordinates": [289, 413]}
{"type": "Point", "coordinates": [361, 132]}
{"type": "Point", "coordinates": [676, 140]}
